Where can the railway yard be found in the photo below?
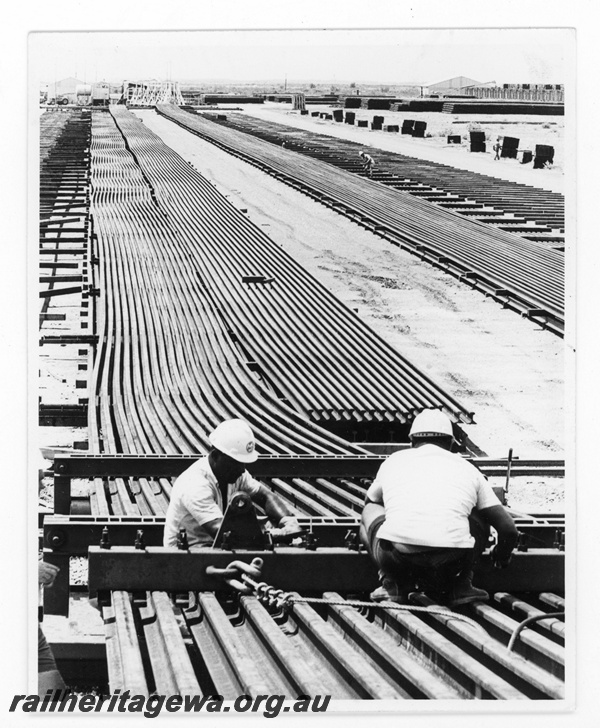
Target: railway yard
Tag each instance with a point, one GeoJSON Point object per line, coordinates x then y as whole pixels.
{"type": "Point", "coordinates": [198, 265]}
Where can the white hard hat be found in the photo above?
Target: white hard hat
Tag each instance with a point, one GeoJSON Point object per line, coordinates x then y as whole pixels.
{"type": "Point", "coordinates": [431, 423]}
{"type": "Point", "coordinates": [236, 439]}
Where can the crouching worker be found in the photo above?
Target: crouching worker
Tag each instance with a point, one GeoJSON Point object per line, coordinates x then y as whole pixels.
{"type": "Point", "coordinates": [368, 163]}
{"type": "Point", "coordinates": [427, 516]}
{"type": "Point", "coordinates": [200, 494]}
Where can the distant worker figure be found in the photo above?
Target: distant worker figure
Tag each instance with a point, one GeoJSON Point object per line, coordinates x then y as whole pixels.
{"type": "Point", "coordinates": [426, 519]}
{"type": "Point", "coordinates": [369, 163]}
{"type": "Point", "coordinates": [201, 493]}
{"type": "Point", "coordinates": [497, 148]}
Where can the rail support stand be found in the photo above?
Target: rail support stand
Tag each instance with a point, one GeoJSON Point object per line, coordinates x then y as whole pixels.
{"type": "Point", "coordinates": [62, 494]}
{"type": "Point", "coordinates": [56, 597]}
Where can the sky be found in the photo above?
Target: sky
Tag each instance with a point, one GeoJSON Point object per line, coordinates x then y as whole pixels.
{"type": "Point", "coordinates": [342, 56]}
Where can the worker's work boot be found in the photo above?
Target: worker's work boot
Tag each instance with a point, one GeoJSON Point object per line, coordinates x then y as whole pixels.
{"type": "Point", "coordinates": [464, 592]}
{"type": "Point", "coordinates": [389, 591]}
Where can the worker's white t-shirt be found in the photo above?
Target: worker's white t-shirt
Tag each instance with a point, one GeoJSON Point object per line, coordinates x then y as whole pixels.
{"type": "Point", "coordinates": [428, 494]}
{"type": "Point", "coordinates": [196, 499]}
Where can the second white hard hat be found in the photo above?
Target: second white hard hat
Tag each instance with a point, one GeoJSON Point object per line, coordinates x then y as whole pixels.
{"type": "Point", "coordinates": [431, 423]}
{"type": "Point", "coordinates": [236, 439]}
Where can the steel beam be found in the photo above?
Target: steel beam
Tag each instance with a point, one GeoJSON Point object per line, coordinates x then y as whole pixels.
{"type": "Point", "coordinates": [62, 494]}
{"type": "Point", "coordinates": [60, 292]}
{"type": "Point", "coordinates": [70, 415]}
{"type": "Point", "coordinates": [272, 466]}
{"type": "Point", "coordinates": [74, 534]}
{"type": "Point", "coordinates": [295, 569]}
{"type": "Point", "coordinates": [168, 569]}
{"type": "Point", "coordinates": [69, 339]}
{"type": "Point", "coordinates": [56, 597]}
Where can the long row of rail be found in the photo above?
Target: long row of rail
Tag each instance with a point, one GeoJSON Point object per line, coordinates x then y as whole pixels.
{"type": "Point", "coordinates": [517, 272]}
{"type": "Point", "coordinates": [535, 213]}
{"type": "Point", "coordinates": [189, 336]}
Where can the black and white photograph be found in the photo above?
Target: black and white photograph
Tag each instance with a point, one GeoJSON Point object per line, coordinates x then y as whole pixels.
{"type": "Point", "coordinates": [301, 358]}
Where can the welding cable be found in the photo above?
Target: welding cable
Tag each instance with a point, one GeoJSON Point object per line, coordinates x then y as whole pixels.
{"type": "Point", "coordinates": [527, 622]}
{"type": "Point", "coordinates": [286, 600]}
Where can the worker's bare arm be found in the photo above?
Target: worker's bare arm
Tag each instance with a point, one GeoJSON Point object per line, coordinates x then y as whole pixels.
{"type": "Point", "coordinates": [500, 519]}
{"type": "Point", "coordinates": [272, 505]}
{"type": "Point", "coordinates": [370, 513]}
{"type": "Point", "coordinates": [212, 527]}
{"type": "Point", "coordinates": [374, 493]}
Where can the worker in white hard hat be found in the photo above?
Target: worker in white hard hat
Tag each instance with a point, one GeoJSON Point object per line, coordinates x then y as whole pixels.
{"type": "Point", "coordinates": [426, 519]}
{"type": "Point", "coordinates": [200, 494]}
{"type": "Point", "coordinates": [369, 163]}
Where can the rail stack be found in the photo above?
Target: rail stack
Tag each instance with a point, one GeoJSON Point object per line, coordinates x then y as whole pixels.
{"type": "Point", "coordinates": [515, 271]}
{"type": "Point", "coordinates": [221, 285]}
{"type": "Point", "coordinates": [533, 213]}
{"type": "Point", "coordinates": [201, 317]}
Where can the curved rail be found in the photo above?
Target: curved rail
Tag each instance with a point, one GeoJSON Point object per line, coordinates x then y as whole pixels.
{"type": "Point", "coordinates": [188, 342]}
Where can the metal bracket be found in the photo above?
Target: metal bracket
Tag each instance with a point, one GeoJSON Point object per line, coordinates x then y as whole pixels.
{"type": "Point", "coordinates": [239, 528]}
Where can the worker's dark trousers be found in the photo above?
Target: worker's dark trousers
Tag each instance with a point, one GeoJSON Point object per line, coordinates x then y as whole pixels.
{"type": "Point", "coordinates": [434, 570]}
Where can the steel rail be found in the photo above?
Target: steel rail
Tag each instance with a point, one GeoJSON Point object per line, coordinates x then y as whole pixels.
{"type": "Point", "coordinates": [135, 422]}
{"type": "Point", "coordinates": [544, 684]}
{"type": "Point", "coordinates": [548, 653]}
{"type": "Point", "coordinates": [156, 235]}
{"type": "Point", "coordinates": [521, 607]}
{"type": "Point", "coordinates": [254, 647]}
{"type": "Point", "coordinates": [171, 665]}
{"type": "Point", "coordinates": [516, 270]}
{"type": "Point", "coordinates": [166, 391]}
{"type": "Point", "coordinates": [540, 206]}
{"type": "Point", "coordinates": [277, 298]}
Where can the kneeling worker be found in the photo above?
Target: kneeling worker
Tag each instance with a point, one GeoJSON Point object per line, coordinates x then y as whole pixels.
{"type": "Point", "coordinates": [420, 514]}
{"type": "Point", "coordinates": [201, 493]}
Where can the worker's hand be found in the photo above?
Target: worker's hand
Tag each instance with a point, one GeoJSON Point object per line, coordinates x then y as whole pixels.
{"type": "Point", "coordinates": [288, 529]}
{"type": "Point", "coordinates": [497, 562]}
{"type": "Point", "coordinates": [47, 573]}
{"type": "Point", "coordinates": [289, 526]}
